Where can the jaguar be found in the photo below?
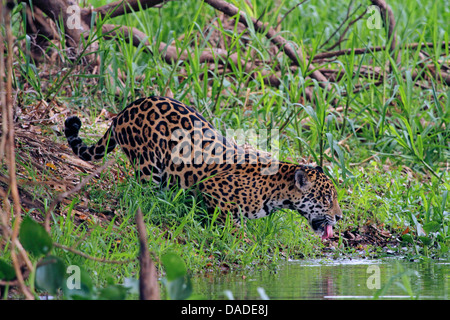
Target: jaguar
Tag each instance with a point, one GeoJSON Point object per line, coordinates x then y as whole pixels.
{"type": "Point", "coordinates": [171, 143]}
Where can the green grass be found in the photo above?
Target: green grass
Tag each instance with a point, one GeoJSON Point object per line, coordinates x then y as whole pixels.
{"type": "Point", "coordinates": [178, 223]}
{"type": "Point", "coordinates": [387, 151]}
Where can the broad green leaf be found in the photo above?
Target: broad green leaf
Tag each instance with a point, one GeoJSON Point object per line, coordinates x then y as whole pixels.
{"type": "Point", "coordinates": [407, 238]}
{"type": "Point", "coordinates": [113, 292]}
{"type": "Point", "coordinates": [419, 147]}
{"type": "Point", "coordinates": [50, 274]}
{"type": "Point", "coordinates": [34, 238]}
{"type": "Point", "coordinates": [177, 281]}
{"type": "Point", "coordinates": [174, 266]}
{"type": "Point", "coordinates": [432, 226]}
{"type": "Point", "coordinates": [7, 272]}
{"type": "Point", "coordinates": [425, 240]}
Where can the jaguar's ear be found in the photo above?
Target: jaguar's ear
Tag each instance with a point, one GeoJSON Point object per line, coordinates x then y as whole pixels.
{"type": "Point", "coordinates": [302, 180]}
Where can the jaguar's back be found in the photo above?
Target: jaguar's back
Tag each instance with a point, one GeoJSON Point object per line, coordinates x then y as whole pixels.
{"type": "Point", "coordinates": [164, 139]}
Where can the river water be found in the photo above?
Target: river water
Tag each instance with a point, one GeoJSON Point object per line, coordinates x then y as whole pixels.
{"type": "Point", "coordinates": [332, 279]}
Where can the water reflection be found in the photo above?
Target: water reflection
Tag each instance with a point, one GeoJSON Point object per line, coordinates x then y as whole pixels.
{"type": "Point", "coordinates": [344, 279]}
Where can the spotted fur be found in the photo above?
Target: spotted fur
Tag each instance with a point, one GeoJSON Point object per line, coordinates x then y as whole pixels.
{"type": "Point", "coordinates": [170, 143]}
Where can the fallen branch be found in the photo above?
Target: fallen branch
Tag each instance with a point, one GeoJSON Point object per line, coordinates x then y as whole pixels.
{"type": "Point", "coordinates": [220, 55]}
{"type": "Point", "coordinates": [171, 54]}
{"type": "Point", "coordinates": [63, 11]}
{"type": "Point", "coordinates": [371, 73]}
{"type": "Point", "coordinates": [133, 35]}
{"type": "Point", "coordinates": [76, 22]}
{"type": "Point", "coordinates": [43, 29]}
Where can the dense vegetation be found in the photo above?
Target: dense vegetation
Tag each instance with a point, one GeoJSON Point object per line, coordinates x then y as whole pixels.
{"type": "Point", "coordinates": [382, 133]}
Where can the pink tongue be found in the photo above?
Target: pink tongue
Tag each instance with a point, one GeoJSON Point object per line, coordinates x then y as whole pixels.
{"type": "Point", "coordinates": [328, 232]}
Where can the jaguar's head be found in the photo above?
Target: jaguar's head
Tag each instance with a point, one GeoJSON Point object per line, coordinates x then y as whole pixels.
{"type": "Point", "coordinates": [317, 200]}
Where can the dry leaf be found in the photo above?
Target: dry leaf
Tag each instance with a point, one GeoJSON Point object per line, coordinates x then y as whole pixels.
{"type": "Point", "coordinates": [51, 165]}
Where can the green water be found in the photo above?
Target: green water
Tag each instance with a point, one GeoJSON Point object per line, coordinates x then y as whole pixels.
{"type": "Point", "coordinates": [325, 279]}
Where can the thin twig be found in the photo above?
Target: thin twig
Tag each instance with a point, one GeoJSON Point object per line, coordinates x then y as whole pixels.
{"type": "Point", "coordinates": [5, 16]}
{"type": "Point", "coordinates": [341, 37]}
{"type": "Point", "coordinates": [289, 11]}
{"type": "Point", "coordinates": [347, 16]}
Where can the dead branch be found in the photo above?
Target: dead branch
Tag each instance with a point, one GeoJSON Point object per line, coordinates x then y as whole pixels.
{"type": "Point", "coordinates": [60, 10]}
{"type": "Point", "coordinates": [44, 22]}
{"type": "Point", "coordinates": [171, 54]}
{"type": "Point", "coordinates": [76, 22]}
{"type": "Point", "coordinates": [43, 29]}
{"type": "Point", "coordinates": [148, 280]}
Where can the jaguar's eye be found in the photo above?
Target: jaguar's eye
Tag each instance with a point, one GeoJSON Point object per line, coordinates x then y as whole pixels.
{"type": "Point", "coordinates": [328, 201]}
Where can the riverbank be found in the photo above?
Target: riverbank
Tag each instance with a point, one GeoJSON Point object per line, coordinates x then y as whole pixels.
{"type": "Point", "coordinates": [378, 125]}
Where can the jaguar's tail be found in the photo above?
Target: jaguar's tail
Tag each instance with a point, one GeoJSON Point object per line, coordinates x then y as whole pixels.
{"type": "Point", "coordinates": [97, 151]}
